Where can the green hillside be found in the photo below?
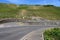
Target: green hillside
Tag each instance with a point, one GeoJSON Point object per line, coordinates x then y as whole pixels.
{"type": "Point", "coordinates": [26, 11]}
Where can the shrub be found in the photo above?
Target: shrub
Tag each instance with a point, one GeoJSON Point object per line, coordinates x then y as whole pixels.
{"type": "Point", "coordinates": [52, 34]}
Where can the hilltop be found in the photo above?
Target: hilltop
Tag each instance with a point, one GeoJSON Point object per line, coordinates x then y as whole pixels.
{"type": "Point", "coordinates": [27, 11]}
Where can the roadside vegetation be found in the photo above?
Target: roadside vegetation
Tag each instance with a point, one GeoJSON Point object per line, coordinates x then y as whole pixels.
{"type": "Point", "coordinates": [15, 11]}
{"type": "Point", "coordinates": [52, 34]}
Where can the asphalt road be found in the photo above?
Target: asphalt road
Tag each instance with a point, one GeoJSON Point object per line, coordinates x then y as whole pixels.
{"type": "Point", "coordinates": [13, 31]}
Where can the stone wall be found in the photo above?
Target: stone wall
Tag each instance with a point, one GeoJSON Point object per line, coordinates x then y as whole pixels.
{"type": "Point", "coordinates": [32, 22]}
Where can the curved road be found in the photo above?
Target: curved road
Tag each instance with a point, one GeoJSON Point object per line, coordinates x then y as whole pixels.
{"type": "Point", "coordinates": [13, 31]}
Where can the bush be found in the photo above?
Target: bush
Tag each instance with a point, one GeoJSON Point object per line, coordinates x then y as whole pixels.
{"type": "Point", "coordinates": [52, 34]}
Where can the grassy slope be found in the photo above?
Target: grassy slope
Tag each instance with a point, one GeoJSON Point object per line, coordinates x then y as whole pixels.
{"type": "Point", "coordinates": [12, 11]}
{"type": "Point", "coordinates": [8, 10]}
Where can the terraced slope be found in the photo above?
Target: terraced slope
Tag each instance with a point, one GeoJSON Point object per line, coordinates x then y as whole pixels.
{"type": "Point", "coordinates": [16, 11]}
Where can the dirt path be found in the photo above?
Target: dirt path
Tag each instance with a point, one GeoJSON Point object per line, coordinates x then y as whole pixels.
{"type": "Point", "coordinates": [22, 13]}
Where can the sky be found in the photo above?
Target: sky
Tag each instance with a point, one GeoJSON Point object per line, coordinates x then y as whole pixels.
{"type": "Point", "coordinates": [41, 2]}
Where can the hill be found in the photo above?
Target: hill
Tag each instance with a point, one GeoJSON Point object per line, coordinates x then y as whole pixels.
{"type": "Point", "coordinates": [26, 11]}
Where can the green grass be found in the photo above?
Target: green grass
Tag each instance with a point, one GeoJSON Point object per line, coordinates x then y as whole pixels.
{"type": "Point", "coordinates": [12, 11]}
{"type": "Point", "coordinates": [52, 34]}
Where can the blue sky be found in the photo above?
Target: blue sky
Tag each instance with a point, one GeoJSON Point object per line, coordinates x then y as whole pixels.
{"type": "Point", "coordinates": [42, 2]}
